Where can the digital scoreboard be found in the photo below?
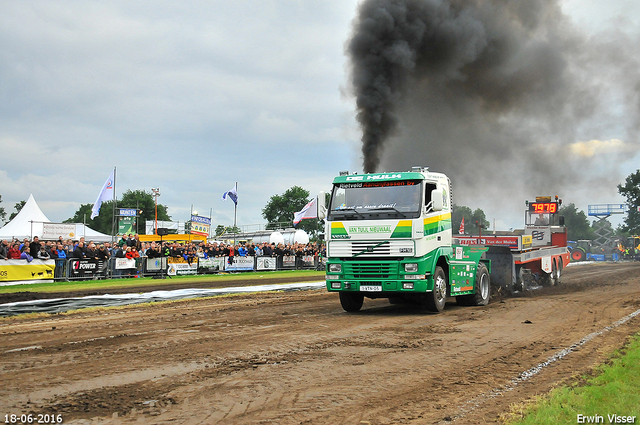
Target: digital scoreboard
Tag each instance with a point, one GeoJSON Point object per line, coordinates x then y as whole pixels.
{"type": "Point", "coordinates": [543, 207]}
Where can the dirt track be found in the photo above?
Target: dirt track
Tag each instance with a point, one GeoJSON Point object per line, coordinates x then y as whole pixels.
{"type": "Point", "coordinates": [299, 358]}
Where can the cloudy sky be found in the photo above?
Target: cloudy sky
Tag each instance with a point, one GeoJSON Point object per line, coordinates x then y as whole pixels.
{"type": "Point", "coordinates": [194, 96]}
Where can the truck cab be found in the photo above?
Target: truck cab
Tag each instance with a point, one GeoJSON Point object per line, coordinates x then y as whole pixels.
{"type": "Point", "coordinates": [389, 236]}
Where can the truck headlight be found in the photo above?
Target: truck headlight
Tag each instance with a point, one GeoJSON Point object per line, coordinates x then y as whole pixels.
{"type": "Point", "coordinates": [335, 268]}
{"type": "Point", "coordinates": [336, 285]}
{"type": "Point", "coordinates": [411, 267]}
{"type": "Point", "coordinates": [332, 277]}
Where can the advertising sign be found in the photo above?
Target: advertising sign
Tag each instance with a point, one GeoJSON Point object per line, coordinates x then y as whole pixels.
{"type": "Point", "coordinates": [178, 266]}
{"type": "Point", "coordinates": [125, 263]}
{"type": "Point", "coordinates": [308, 261]}
{"type": "Point", "coordinates": [211, 264]}
{"type": "Point", "coordinates": [509, 241]}
{"type": "Point", "coordinates": [128, 212]}
{"type": "Point", "coordinates": [85, 268]}
{"type": "Point", "coordinates": [21, 270]}
{"type": "Point", "coordinates": [200, 225]}
{"type": "Point", "coordinates": [239, 264]}
{"type": "Point", "coordinates": [289, 262]}
{"type": "Point", "coordinates": [156, 264]}
{"type": "Point", "coordinates": [265, 263]}
{"type": "Point", "coordinates": [52, 231]}
{"type": "Point", "coordinates": [126, 225]}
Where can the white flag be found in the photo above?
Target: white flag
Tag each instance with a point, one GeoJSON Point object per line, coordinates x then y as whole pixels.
{"type": "Point", "coordinates": [233, 194]}
{"type": "Point", "coordinates": [106, 194]}
{"type": "Point", "coordinates": [309, 211]}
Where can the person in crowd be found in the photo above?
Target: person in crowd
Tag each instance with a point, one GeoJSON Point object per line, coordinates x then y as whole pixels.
{"type": "Point", "coordinates": [102, 253]}
{"type": "Point", "coordinates": [152, 251]}
{"type": "Point", "coordinates": [4, 250]}
{"type": "Point", "coordinates": [189, 255]}
{"type": "Point", "coordinates": [137, 242]}
{"type": "Point", "coordinates": [43, 254]}
{"type": "Point", "coordinates": [78, 251]}
{"type": "Point", "coordinates": [119, 252]}
{"type": "Point", "coordinates": [131, 253]}
{"type": "Point", "coordinates": [242, 251]}
{"type": "Point", "coordinates": [90, 252]}
{"type": "Point", "coordinates": [34, 247]}
{"type": "Point", "coordinates": [230, 252]}
{"type": "Point", "coordinates": [60, 252]}
{"type": "Point", "coordinates": [67, 246]}
{"type": "Point", "coordinates": [14, 251]}
{"type": "Point", "coordinates": [24, 255]}
{"type": "Point", "coordinates": [258, 251]}
{"type": "Point", "coordinates": [131, 242]}
{"type": "Point", "coordinates": [25, 241]}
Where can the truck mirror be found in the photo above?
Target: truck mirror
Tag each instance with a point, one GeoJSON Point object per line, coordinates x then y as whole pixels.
{"type": "Point", "coordinates": [322, 208]}
{"type": "Point", "coordinates": [436, 198]}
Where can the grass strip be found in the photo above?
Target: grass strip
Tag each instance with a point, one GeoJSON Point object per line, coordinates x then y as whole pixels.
{"type": "Point", "coordinates": [611, 396]}
{"type": "Point", "coordinates": [84, 285]}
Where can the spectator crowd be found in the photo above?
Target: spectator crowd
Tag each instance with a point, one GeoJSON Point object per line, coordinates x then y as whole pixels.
{"type": "Point", "coordinates": [131, 247]}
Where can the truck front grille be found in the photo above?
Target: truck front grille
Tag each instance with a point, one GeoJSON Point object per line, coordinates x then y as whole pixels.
{"type": "Point", "coordinates": [370, 271]}
{"type": "Point", "coordinates": [370, 248]}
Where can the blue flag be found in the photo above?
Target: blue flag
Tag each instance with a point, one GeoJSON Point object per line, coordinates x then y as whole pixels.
{"type": "Point", "coordinates": [233, 194]}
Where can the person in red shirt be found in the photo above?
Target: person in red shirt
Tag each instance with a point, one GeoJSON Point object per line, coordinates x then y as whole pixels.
{"type": "Point", "coordinates": [14, 252]}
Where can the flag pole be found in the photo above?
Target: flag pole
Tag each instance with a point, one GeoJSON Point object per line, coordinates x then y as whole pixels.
{"type": "Point", "coordinates": [235, 217]}
{"type": "Point", "coordinates": [235, 209]}
{"type": "Point", "coordinates": [113, 216]}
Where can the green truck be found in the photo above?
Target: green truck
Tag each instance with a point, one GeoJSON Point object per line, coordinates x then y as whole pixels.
{"type": "Point", "coordinates": [389, 236]}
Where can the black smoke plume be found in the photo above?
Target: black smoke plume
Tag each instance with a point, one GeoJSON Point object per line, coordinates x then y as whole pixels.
{"type": "Point", "coordinates": [492, 91]}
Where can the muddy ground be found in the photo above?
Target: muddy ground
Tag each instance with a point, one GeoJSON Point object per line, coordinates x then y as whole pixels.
{"type": "Point", "coordinates": [298, 358]}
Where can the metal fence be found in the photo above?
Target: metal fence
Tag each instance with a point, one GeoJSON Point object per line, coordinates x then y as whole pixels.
{"type": "Point", "coordinates": [115, 268]}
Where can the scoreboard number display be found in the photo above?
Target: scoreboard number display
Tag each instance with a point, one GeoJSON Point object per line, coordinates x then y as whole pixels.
{"type": "Point", "coordinates": [543, 207]}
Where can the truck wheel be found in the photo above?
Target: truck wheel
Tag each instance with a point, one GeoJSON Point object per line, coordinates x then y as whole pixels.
{"type": "Point", "coordinates": [436, 299]}
{"type": "Point", "coordinates": [351, 301]}
{"type": "Point", "coordinates": [483, 286]}
{"type": "Point", "coordinates": [527, 280]}
{"type": "Point", "coordinates": [578, 254]}
{"type": "Point", "coordinates": [482, 289]}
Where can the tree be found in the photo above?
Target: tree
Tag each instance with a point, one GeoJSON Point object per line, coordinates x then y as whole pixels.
{"type": "Point", "coordinates": [136, 199]}
{"type": "Point", "coordinates": [281, 208]}
{"type": "Point", "coordinates": [577, 224]}
{"type": "Point", "coordinates": [18, 207]}
{"type": "Point", "coordinates": [3, 214]}
{"type": "Point", "coordinates": [631, 191]}
{"type": "Point", "coordinates": [470, 219]}
{"type": "Point", "coordinates": [222, 229]}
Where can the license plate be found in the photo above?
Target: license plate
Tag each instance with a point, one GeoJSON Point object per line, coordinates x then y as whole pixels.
{"type": "Point", "coordinates": [371, 288]}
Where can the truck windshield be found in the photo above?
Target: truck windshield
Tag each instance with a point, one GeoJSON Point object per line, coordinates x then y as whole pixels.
{"type": "Point", "coordinates": [375, 200]}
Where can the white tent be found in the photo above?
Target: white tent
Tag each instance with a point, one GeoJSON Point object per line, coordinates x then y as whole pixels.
{"type": "Point", "coordinates": [29, 223]}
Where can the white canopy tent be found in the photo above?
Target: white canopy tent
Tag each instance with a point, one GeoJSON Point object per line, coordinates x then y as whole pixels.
{"type": "Point", "coordinates": [30, 222]}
